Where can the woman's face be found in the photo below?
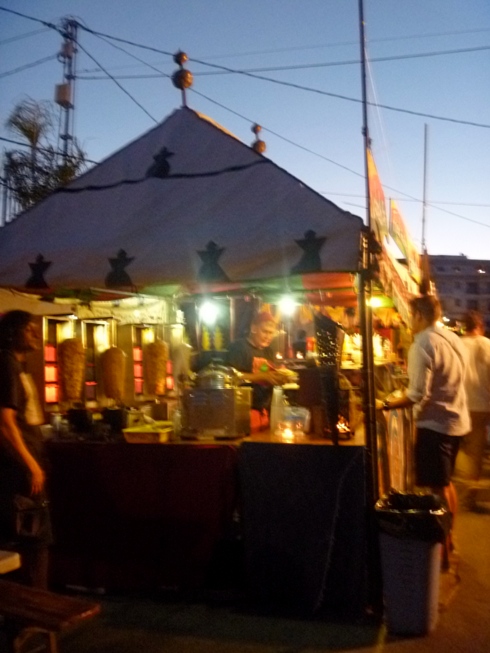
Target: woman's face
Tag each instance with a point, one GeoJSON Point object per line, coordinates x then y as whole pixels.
{"type": "Point", "coordinates": [31, 337]}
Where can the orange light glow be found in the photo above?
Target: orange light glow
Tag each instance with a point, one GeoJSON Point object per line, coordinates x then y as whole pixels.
{"type": "Point", "coordinates": [51, 394]}
{"type": "Point", "coordinates": [137, 354]}
{"type": "Point", "coordinates": [342, 425]}
{"type": "Point", "coordinates": [50, 373]}
{"type": "Point", "coordinates": [50, 354]}
{"type": "Point", "coordinates": [138, 386]}
{"type": "Point", "coordinates": [287, 435]}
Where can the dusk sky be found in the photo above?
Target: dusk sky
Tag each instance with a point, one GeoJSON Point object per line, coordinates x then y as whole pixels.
{"type": "Point", "coordinates": [292, 67]}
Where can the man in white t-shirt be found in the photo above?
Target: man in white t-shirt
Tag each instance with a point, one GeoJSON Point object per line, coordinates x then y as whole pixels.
{"type": "Point", "coordinates": [477, 384]}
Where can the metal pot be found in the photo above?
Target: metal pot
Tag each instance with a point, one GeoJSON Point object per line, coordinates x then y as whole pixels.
{"type": "Point", "coordinates": [216, 376]}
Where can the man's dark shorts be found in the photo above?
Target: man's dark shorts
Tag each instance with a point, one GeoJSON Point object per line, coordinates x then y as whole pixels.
{"type": "Point", "coordinates": [435, 455]}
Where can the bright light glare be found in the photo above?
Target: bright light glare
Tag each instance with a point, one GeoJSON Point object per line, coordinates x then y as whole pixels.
{"type": "Point", "coordinates": [208, 312]}
{"type": "Point", "coordinates": [375, 302]}
{"type": "Point", "coordinates": [287, 306]}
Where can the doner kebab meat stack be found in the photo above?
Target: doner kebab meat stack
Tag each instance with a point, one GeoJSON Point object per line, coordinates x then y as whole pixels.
{"type": "Point", "coordinates": [113, 361]}
{"type": "Point", "coordinates": [155, 360]}
{"type": "Point", "coordinates": [71, 360]}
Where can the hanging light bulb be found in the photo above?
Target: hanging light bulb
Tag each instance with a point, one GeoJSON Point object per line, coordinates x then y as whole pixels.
{"type": "Point", "coordinates": [208, 312]}
{"type": "Point", "coordinates": [287, 305]}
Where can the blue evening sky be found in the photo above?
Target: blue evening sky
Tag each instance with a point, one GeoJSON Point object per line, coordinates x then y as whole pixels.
{"type": "Point", "coordinates": [314, 134]}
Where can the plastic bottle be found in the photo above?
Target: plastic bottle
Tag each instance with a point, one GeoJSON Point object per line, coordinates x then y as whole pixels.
{"type": "Point", "coordinates": [277, 405]}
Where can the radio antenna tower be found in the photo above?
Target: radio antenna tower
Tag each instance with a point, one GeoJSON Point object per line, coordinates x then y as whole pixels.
{"type": "Point", "coordinates": [65, 92]}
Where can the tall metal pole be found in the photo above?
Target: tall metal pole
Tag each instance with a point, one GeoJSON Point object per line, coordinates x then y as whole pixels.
{"type": "Point", "coordinates": [369, 398]}
{"type": "Point", "coordinates": [66, 100]}
{"type": "Point", "coordinates": [424, 196]}
{"type": "Point", "coordinates": [365, 291]}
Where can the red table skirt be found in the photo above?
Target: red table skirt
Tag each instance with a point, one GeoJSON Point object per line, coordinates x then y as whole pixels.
{"type": "Point", "coordinates": [139, 516]}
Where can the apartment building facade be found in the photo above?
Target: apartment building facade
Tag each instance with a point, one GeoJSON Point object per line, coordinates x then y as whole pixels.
{"type": "Point", "coordinates": [462, 284]}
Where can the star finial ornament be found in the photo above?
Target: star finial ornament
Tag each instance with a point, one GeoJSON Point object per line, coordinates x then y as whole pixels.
{"type": "Point", "coordinates": [36, 280]}
{"type": "Point", "coordinates": [310, 260]}
{"type": "Point", "coordinates": [118, 275]}
{"type": "Point", "coordinates": [210, 270]}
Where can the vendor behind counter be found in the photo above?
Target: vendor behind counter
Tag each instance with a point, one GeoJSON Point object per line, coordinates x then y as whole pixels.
{"type": "Point", "coordinates": [254, 358]}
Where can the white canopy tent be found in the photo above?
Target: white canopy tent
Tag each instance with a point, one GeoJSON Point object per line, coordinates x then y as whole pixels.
{"type": "Point", "coordinates": [12, 300]}
{"type": "Point", "coordinates": [185, 202]}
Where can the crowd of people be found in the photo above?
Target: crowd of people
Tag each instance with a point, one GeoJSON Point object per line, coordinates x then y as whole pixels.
{"type": "Point", "coordinates": [449, 390]}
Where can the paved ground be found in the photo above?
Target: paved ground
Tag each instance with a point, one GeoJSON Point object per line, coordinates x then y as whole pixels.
{"type": "Point", "coordinates": [159, 625]}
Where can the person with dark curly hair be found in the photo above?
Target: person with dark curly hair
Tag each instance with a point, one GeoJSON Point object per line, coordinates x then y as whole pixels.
{"type": "Point", "coordinates": [22, 458]}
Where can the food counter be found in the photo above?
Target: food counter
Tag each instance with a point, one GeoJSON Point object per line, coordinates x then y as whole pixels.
{"type": "Point", "coordinates": [139, 516]}
{"type": "Point", "coordinates": [150, 516]}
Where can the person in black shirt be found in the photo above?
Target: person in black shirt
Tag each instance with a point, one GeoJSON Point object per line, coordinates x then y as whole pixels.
{"type": "Point", "coordinates": [254, 358]}
{"type": "Point", "coordinates": [22, 457]}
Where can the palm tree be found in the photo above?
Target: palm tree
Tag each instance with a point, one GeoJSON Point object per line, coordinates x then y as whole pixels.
{"type": "Point", "coordinates": [33, 174]}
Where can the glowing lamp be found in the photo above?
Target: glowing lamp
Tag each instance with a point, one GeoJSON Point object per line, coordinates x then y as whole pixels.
{"type": "Point", "coordinates": [208, 312]}
{"type": "Point", "coordinates": [287, 306]}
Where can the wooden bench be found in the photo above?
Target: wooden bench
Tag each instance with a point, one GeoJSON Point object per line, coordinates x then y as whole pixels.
{"type": "Point", "coordinates": [29, 611]}
{"type": "Point", "coordinates": [9, 561]}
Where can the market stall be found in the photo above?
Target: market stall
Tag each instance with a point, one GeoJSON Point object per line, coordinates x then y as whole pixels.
{"type": "Point", "coordinates": [183, 214]}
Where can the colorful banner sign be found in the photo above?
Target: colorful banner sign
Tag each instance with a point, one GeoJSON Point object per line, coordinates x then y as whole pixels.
{"type": "Point", "coordinates": [399, 232]}
{"type": "Point", "coordinates": [379, 222]}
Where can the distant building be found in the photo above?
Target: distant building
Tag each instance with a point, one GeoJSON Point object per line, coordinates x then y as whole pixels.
{"type": "Point", "coordinates": [462, 284]}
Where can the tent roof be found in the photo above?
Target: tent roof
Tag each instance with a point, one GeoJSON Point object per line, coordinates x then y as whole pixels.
{"type": "Point", "coordinates": [184, 202]}
{"type": "Point", "coordinates": [11, 300]}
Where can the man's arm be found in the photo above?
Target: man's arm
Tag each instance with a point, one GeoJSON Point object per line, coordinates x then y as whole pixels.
{"type": "Point", "coordinates": [418, 375]}
{"type": "Point", "coordinates": [271, 377]}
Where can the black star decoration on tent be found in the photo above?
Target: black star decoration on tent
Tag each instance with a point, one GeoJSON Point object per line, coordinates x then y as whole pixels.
{"type": "Point", "coordinates": [118, 276]}
{"type": "Point", "coordinates": [310, 261]}
{"type": "Point", "coordinates": [161, 167]}
{"type": "Point", "coordinates": [210, 270]}
{"type": "Point", "coordinates": [36, 280]}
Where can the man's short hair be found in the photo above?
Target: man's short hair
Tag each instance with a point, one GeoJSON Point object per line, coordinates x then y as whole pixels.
{"type": "Point", "coordinates": [428, 306]}
{"type": "Point", "coordinates": [263, 316]}
{"type": "Point", "coordinates": [473, 320]}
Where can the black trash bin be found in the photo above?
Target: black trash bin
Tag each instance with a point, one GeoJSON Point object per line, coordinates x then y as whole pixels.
{"type": "Point", "coordinates": [412, 528]}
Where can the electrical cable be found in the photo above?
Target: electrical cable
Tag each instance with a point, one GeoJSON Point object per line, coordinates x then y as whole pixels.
{"type": "Point", "coordinates": [41, 149]}
{"type": "Point", "coordinates": [344, 43]}
{"type": "Point", "coordinates": [117, 47]}
{"type": "Point", "coordinates": [406, 199]}
{"type": "Point", "coordinates": [13, 39]}
{"type": "Point", "coordinates": [117, 83]}
{"type": "Point", "coordinates": [348, 62]}
{"type": "Point", "coordinates": [29, 65]}
{"type": "Point", "coordinates": [283, 138]}
{"type": "Point", "coordinates": [36, 20]}
{"type": "Point", "coordinates": [325, 64]}
{"type": "Point", "coordinates": [289, 84]}
{"type": "Point", "coordinates": [252, 75]}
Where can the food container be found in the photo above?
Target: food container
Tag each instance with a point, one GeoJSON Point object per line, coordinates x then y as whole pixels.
{"type": "Point", "coordinates": [149, 433]}
{"type": "Point", "coordinates": [217, 377]}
